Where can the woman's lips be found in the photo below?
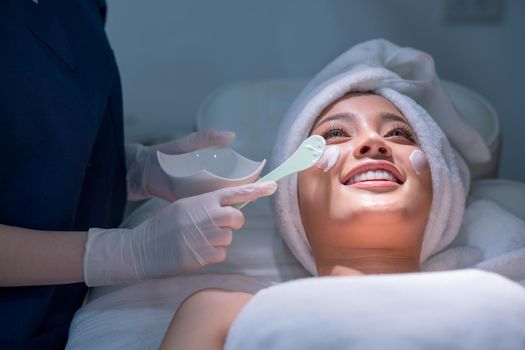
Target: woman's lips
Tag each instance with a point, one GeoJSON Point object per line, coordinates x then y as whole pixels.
{"type": "Point", "coordinates": [369, 168]}
{"type": "Point", "coordinates": [375, 183]}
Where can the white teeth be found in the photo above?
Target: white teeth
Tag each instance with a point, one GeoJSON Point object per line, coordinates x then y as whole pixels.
{"type": "Point", "coordinates": [373, 175]}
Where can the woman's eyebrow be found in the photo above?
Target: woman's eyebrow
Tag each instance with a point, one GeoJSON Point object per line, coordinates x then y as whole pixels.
{"type": "Point", "coordinates": [388, 116]}
{"type": "Point", "coordinates": [342, 115]}
{"type": "Point", "coordinates": [385, 116]}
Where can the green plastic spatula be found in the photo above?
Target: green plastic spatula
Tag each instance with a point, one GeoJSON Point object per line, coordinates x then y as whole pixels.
{"type": "Point", "coordinates": [306, 155]}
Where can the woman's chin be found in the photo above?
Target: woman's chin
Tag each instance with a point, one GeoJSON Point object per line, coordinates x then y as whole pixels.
{"type": "Point", "coordinates": [366, 207]}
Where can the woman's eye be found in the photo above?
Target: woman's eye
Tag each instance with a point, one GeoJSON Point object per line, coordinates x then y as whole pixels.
{"type": "Point", "coordinates": [334, 133]}
{"type": "Point", "coordinates": [399, 132]}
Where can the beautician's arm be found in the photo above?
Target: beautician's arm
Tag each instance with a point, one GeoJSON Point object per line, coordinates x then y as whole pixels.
{"type": "Point", "coordinates": [31, 257]}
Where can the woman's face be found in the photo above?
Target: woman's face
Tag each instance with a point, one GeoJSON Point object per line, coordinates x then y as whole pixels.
{"type": "Point", "coordinates": [346, 210]}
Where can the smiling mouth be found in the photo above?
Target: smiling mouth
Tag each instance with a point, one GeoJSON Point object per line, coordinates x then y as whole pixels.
{"type": "Point", "coordinates": [379, 176]}
{"type": "Point", "coordinates": [376, 178]}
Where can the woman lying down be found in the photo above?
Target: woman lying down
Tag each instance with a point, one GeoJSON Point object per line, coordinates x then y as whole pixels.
{"type": "Point", "coordinates": [388, 203]}
{"type": "Point", "coordinates": [391, 195]}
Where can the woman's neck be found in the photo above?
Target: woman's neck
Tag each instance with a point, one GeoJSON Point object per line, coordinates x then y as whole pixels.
{"type": "Point", "coordinates": [368, 261]}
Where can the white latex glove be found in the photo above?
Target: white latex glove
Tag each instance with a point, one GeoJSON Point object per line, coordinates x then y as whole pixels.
{"type": "Point", "coordinates": [145, 177]}
{"type": "Point", "coordinates": [181, 237]}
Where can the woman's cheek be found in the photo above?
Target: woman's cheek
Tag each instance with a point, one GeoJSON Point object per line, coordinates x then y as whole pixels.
{"type": "Point", "coordinates": [419, 161]}
{"type": "Point", "coordinates": [329, 158]}
{"type": "Point", "coordinates": [421, 167]}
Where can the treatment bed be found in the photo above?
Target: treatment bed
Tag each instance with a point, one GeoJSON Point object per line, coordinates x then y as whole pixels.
{"type": "Point", "coordinates": [136, 316]}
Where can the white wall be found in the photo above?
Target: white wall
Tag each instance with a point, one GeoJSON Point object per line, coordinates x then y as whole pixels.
{"type": "Point", "coordinates": [172, 53]}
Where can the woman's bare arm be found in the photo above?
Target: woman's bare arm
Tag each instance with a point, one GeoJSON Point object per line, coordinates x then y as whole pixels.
{"type": "Point", "coordinates": [31, 257]}
{"type": "Point", "coordinates": [203, 320]}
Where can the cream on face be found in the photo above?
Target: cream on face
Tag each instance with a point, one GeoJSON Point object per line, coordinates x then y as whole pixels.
{"type": "Point", "coordinates": [329, 158]}
{"type": "Point", "coordinates": [418, 161]}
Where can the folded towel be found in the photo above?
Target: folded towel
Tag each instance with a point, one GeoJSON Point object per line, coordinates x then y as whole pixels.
{"type": "Point", "coordinates": [490, 239]}
{"type": "Point", "coordinates": [491, 228]}
{"type": "Point", "coordinates": [465, 309]}
{"type": "Point", "coordinates": [408, 79]}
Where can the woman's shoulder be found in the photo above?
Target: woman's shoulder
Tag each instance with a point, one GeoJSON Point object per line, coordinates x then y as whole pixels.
{"type": "Point", "coordinates": [204, 318]}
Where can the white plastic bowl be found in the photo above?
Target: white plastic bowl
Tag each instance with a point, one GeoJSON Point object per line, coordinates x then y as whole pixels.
{"type": "Point", "coordinates": [208, 169]}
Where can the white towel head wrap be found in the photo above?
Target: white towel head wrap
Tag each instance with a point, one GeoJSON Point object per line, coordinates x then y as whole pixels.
{"type": "Point", "coordinates": [407, 78]}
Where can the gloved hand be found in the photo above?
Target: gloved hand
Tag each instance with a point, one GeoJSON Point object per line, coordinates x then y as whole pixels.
{"type": "Point", "coordinates": [181, 237]}
{"type": "Point", "coordinates": [145, 177]}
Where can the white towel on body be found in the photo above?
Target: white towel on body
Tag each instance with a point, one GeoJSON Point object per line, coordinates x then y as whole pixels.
{"type": "Point", "coordinates": [463, 310]}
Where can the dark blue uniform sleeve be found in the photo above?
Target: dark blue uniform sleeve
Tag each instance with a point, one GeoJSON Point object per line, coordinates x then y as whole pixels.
{"type": "Point", "coordinates": [61, 145]}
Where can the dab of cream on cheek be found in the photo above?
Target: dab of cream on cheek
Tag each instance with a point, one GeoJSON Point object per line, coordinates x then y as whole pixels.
{"type": "Point", "coordinates": [418, 161]}
{"type": "Point", "coordinates": [329, 158]}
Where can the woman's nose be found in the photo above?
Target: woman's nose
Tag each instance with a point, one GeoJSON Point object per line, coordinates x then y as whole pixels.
{"type": "Point", "coordinates": [372, 146]}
